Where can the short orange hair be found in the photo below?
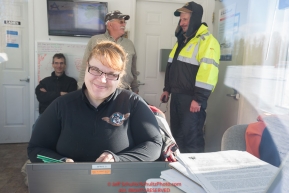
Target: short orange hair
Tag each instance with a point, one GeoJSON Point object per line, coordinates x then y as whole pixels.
{"type": "Point", "coordinates": [109, 54]}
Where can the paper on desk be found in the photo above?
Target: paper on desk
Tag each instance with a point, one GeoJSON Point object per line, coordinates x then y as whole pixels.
{"type": "Point", "coordinates": [230, 171]}
{"type": "Point", "coordinates": [280, 181]}
{"type": "Point", "coordinates": [285, 175]}
{"type": "Point", "coordinates": [185, 170]}
{"type": "Point", "coordinates": [181, 182]}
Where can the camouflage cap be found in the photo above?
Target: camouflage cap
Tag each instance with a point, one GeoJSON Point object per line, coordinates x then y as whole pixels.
{"type": "Point", "coordinates": [116, 15]}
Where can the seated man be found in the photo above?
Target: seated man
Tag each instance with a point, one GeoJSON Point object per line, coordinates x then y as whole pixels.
{"type": "Point", "coordinates": [56, 85]}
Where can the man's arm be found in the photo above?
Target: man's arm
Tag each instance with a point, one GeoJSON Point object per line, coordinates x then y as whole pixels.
{"type": "Point", "coordinates": [166, 91]}
{"type": "Point", "coordinates": [72, 85]}
{"type": "Point", "coordinates": [134, 85]}
{"type": "Point", "coordinates": [45, 96]}
{"type": "Point", "coordinates": [167, 78]}
{"type": "Point", "coordinates": [207, 76]}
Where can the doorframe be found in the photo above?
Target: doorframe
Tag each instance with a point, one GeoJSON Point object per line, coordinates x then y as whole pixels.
{"type": "Point", "coordinates": [31, 40]}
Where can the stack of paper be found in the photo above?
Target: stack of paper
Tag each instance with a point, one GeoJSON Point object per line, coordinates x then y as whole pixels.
{"type": "Point", "coordinates": [223, 171]}
{"type": "Point", "coordinates": [280, 181]}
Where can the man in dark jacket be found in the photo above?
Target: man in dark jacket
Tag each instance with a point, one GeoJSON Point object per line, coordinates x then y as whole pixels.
{"type": "Point", "coordinates": [191, 76]}
{"type": "Point", "coordinates": [56, 85]}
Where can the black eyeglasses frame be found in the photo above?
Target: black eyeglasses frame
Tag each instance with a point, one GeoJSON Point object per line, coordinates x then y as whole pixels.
{"type": "Point", "coordinates": [89, 67]}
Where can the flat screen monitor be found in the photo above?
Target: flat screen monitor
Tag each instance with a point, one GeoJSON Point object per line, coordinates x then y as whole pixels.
{"type": "Point", "coordinates": [76, 18]}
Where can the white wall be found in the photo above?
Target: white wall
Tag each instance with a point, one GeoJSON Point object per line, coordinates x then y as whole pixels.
{"type": "Point", "coordinates": [39, 32]}
{"type": "Point", "coordinates": [41, 25]}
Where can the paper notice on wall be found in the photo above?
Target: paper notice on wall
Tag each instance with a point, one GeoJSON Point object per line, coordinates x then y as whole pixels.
{"type": "Point", "coordinates": [283, 4]}
{"type": "Point", "coordinates": [228, 26]}
{"type": "Point", "coordinates": [12, 39]}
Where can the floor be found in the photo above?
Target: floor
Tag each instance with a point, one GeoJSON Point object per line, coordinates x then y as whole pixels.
{"type": "Point", "coordinates": [12, 158]}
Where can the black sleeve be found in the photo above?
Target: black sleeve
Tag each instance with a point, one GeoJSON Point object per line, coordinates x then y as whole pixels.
{"type": "Point", "coordinates": [167, 78]}
{"type": "Point", "coordinates": [268, 150]}
{"type": "Point", "coordinates": [45, 97]}
{"type": "Point", "coordinates": [45, 134]}
{"type": "Point", "coordinates": [146, 136]}
{"type": "Point", "coordinates": [201, 95]}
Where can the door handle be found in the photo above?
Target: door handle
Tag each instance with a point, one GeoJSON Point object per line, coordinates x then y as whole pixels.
{"type": "Point", "coordinates": [140, 83]}
{"type": "Point", "coordinates": [25, 80]}
{"type": "Point", "coordinates": [235, 95]}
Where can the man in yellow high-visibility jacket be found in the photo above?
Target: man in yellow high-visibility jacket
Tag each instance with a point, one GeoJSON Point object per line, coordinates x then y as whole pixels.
{"type": "Point", "coordinates": [191, 76]}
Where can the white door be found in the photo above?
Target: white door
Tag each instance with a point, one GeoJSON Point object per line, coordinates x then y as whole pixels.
{"type": "Point", "coordinates": [155, 30]}
{"type": "Point", "coordinates": [14, 73]}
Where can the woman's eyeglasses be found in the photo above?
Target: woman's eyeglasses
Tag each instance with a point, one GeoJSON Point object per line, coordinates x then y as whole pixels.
{"type": "Point", "coordinates": [96, 72]}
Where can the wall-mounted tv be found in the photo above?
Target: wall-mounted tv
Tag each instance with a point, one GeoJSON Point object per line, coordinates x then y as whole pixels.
{"type": "Point", "coordinates": [76, 18]}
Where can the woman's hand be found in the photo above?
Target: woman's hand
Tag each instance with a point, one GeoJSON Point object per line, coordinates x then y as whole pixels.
{"type": "Point", "coordinates": [68, 160]}
{"type": "Point", "coordinates": [105, 157]}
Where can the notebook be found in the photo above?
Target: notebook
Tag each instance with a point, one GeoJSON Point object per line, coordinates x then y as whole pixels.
{"type": "Point", "coordinates": [92, 177]}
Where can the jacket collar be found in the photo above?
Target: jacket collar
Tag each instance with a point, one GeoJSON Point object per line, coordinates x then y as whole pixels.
{"type": "Point", "coordinates": [202, 30]}
{"type": "Point", "coordinates": [54, 75]}
{"type": "Point", "coordinates": [109, 98]}
{"type": "Point", "coordinates": [108, 36]}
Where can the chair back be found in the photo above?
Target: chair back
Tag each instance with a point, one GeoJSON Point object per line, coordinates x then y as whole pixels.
{"type": "Point", "coordinates": [234, 138]}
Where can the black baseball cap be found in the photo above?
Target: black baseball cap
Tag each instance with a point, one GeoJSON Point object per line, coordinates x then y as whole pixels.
{"type": "Point", "coordinates": [187, 8]}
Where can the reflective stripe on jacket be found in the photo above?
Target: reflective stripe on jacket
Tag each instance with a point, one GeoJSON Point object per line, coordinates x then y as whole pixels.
{"type": "Point", "coordinates": [202, 51]}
